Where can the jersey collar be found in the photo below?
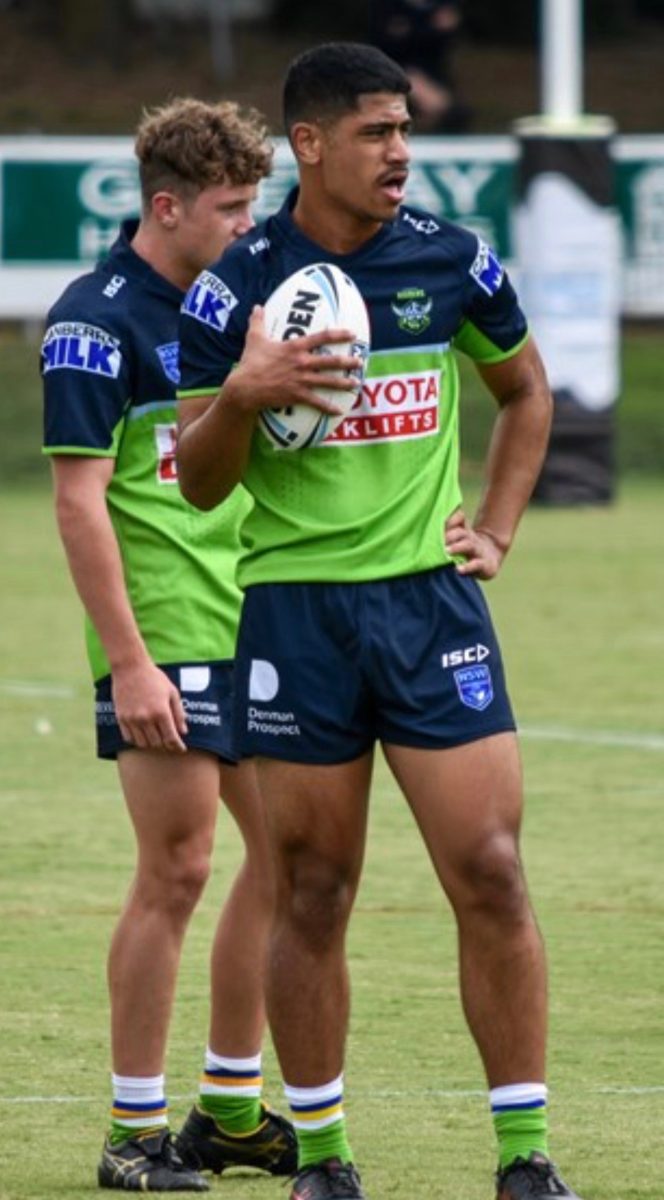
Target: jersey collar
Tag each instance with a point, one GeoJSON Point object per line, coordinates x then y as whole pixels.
{"type": "Point", "coordinates": [124, 258]}
{"type": "Point", "coordinates": [305, 246]}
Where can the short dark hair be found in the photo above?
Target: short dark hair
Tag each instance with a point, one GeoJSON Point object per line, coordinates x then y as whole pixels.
{"type": "Point", "coordinates": [328, 80]}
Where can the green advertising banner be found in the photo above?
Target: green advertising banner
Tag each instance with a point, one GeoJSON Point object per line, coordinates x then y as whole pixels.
{"type": "Point", "coordinates": [63, 212]}
{"type": "Point", "coordinates": [62, 199]}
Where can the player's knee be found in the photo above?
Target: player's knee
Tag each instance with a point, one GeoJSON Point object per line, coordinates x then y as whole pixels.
{"type": "Point", "coordinates": [319, 899]}
{"type": "Point", "coordinates": [492, 878]}
{"type": "Point", "coordinates": [177, 881]}
{"type": "Point", "coordinates": [189, 877]}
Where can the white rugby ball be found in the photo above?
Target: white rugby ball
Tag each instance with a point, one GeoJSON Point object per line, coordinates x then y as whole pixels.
{"type": "Point", "coordinates": [312, 299]}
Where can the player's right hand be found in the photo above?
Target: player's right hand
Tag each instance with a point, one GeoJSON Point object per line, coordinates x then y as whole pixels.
{"type": "Point", "coordinates": [479, 548]}
{"type": "Point", "coordinates": [273, 374]}
{"type": "Point", "coordinates": [148, 708]}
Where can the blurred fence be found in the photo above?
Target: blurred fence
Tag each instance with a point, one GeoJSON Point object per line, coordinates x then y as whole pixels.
{"type": "Point", "coordinates": [62, 199]}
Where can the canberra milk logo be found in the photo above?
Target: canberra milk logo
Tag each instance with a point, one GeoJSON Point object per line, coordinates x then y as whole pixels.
{"type": "Point", "coordinates": [487, 270]}
{"type": "Point", "coordinates": [210, 301]}
{"type": "Point", "coordinates": [169, 357]}
{"type": "Point", "coordinates": [411, 307]}
{"type": "Point", "coordinates": [75, 345]}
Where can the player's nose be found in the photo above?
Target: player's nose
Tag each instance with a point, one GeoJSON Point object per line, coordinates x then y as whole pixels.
{"type": "Point", "coordinates": [244, 223]}
{"type": "Point", "coordinates": [398, 149]}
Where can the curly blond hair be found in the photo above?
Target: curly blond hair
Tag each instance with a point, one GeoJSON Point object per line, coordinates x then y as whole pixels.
{"type": "Point", "coordinates": [188, 145]}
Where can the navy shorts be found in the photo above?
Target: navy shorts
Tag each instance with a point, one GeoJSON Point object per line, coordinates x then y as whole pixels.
{"type": "Point", "coordinates": [323, 670]}
{"type": "Point", "coordinates": [207, 697]}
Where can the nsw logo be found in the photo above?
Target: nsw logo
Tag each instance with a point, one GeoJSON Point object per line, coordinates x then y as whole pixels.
{"type": "Point", "coordinates": [475, 687]}
{"type": "Point", "coordinates": [412, 307]}
{"type": "Point", "coordinates": [169, 357]}
{"type": "Point", "coordinates": [210, 301]}
{"type": "Point", "coordinates": [80, 347]}
{"type": "Point", "coordinates": [487, 270]}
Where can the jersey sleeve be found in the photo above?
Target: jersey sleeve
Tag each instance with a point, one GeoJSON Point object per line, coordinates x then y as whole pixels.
{"type": "Point", "coordinates": [493, 327]}
{"type": "Point", "coordinates": [86, 384]}
{"type": "Point", "coordinates": [213, 321]}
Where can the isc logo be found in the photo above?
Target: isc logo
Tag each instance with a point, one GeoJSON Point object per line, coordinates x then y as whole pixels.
{"type": "Point", "coordinates": [113, 286]}
{"type": "Point", "coordinates": [470, 654]}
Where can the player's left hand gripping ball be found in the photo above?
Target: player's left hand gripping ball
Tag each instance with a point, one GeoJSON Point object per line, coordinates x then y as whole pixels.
{"type": "Point", "coordinates": [313, 299]}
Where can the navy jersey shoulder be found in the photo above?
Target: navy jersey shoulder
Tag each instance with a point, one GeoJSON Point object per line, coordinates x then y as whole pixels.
{"type": "Point", "coordinates": [110, 343]}
{"type": "Point", "coordinates": [459, 273]}
{"type": "Point", "coordinates": [216, 309]}
{"type": "Point", "coordinates": [423, 279]}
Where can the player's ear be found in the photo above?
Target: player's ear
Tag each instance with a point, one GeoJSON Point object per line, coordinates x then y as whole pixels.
{"type": "Point", "coordinates": [306, 141]}
{"type": "Point", "coordinates": [166, 208]}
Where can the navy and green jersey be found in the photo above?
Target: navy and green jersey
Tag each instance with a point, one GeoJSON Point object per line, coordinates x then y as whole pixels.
{"type": "Point", "coordinates": [110, 367]}
{"type": "Point", "coordinates": [370, 502]}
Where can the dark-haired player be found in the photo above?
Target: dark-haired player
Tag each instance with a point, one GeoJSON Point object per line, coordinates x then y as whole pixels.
{"type": "Point", "coordinates": [363, 619]}
{"type": "Point", "coordinates": [157, 580]}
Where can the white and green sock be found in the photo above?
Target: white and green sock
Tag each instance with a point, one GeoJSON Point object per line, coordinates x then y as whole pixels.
{"type": "Point", "coordinates": [230, 1091]}
{"type": "Point", "coordinates": [520, 1119]}
{"type": "Point", "coordinates": [139, 1104]}
{"type": "Point", "coordinates": [318, 1117]}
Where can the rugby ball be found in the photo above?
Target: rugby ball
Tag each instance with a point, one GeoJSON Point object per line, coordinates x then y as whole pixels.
{"type": "Point", "coordinates": [315, 298]}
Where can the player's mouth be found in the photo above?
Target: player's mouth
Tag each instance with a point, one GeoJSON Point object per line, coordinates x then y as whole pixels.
{"type": "Point", "coordinates": [393, 186]}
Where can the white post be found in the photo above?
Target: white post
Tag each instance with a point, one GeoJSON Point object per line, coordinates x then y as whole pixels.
{"type": "Point", "coordinates": [568, 250]}
{"type": "Point", "coordinates": [561, 59]}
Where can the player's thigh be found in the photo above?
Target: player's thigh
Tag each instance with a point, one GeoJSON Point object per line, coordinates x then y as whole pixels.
{"type": "Point", "coordinates": [300, 694]}
{"type": "Point", "coordinates": [317, 815]}
{"type": "Point", "coordinates": [241, 796]}
{"type": "Point", "coordinates": [172, 799]}
{"type": "Point", "coordinates": [467, 801]}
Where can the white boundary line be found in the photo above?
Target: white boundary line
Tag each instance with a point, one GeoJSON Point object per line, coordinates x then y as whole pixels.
{"type": "Point", "coordinates": [33, 687]}
{"type": "Point", "coordinates": [443, 1093]}
{"type": "Point", "coordinates": [617, 739]}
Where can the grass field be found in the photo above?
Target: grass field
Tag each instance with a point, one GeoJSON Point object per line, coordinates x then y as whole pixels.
{"type": "Point", "coordinates": [579, 611]}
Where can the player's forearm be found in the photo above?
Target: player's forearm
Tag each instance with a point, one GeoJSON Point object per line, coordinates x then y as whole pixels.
{"type": "Point", "coordinates": [516, 452]}
{"type": "Point", "coordinates": [213, 450]}
{"type": "Point", "coordinates": [96, 568]}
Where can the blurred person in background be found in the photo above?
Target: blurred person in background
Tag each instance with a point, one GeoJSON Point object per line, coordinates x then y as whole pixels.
{"type": "Point", "coordinates": [421, 35]}
{"type": "Point", "coordinates": [156, 578]}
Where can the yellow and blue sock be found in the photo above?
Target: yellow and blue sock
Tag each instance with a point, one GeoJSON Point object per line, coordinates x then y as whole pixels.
{"type": "Point", "coordinates": [230, 1091]}
{"type": "Point", "coordinates": [318, 1117]}
{"type": "Point", "coordinates": [139, 1104]}
{"type": "Point", "coordinates": [520, 1119]}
